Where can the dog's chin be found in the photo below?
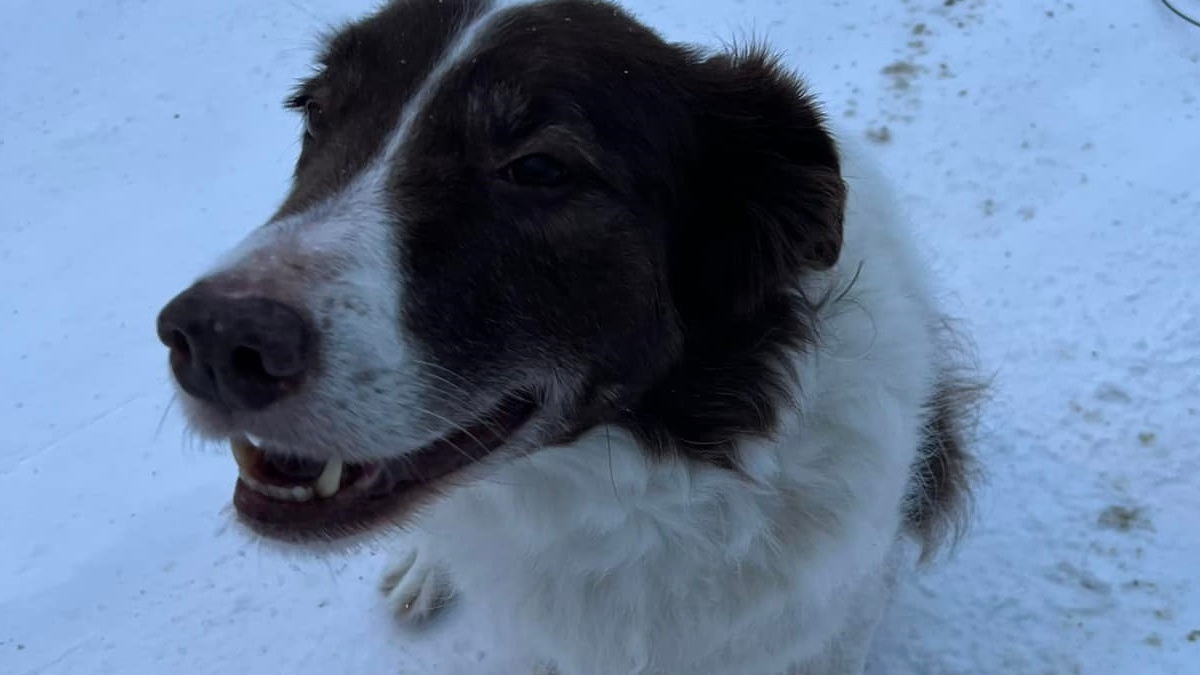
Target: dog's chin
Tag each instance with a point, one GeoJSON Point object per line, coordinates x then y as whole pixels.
{"type": "Point", "coordinates": [284, 497]}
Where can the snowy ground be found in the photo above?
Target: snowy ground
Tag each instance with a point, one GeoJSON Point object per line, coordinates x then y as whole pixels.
{"type": "Point", "coordinates": [1049, 149]}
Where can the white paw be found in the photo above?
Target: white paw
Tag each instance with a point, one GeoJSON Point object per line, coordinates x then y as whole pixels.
{"type": "Point", "coordinates": [416, 586]}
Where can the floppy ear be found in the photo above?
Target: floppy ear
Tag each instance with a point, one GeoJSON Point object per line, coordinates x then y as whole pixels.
{"type": "Point", "coordinates": [766, 196]}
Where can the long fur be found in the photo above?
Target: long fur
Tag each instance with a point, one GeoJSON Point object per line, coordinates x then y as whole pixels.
{"type": "Point", "coordinates": [747, 407]}
{"type": "Point", "coordinates": [616, 563]}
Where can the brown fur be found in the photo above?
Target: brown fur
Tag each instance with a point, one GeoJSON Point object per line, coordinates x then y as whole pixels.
{"type": "Point", "coordinates": [940, 501]}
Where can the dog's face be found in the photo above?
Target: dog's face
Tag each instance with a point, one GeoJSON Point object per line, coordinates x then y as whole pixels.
{"type": "Point", "coordinates": [506, 225]}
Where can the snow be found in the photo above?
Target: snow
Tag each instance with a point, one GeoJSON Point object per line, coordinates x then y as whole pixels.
{"type": "Point", "coordinates": [1049, 150]}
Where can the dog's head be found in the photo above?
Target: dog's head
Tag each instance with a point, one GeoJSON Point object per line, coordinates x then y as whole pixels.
{"type": "Point", "coordinates": [507, 225]}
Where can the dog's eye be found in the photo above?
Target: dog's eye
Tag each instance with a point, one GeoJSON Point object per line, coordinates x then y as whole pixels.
{"type": "Point", "coordinates": [312, 117]}
{"type": "Point", "coordinates": [537, 170]}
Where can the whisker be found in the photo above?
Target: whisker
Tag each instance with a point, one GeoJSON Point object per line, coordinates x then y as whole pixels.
{"type": "Point", "coordinates": [482, 446]}
{"type": "Point", "coordinates": [463, 384]}
{"type": "Point", "coordinates": [166, 411]}
{"type": "Point", "coordinates": [488, 421]}
{"type": "Point", "coordinates": [612, 476]}
{"type": "Point", "coordinates": [460, 396]}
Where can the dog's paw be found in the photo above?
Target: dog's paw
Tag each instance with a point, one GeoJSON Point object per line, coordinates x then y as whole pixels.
{"type": "Point", "coordinates": [417, 587]}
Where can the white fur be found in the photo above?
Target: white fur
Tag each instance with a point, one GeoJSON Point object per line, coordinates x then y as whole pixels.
{"type": "Point", "coordinates": [605, 562]}
{"type": "Point", "coordinates": [415, 586]}
{"type": "Point", "coordinates": [593, 556]}
{"type": "Point", "coordinates": [337, 261]}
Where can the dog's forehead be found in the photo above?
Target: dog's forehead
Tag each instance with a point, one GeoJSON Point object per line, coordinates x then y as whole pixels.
{"type": "Point", "coordinates": [578, 51]}
{"type": "Point", "coordinates": [496, 49]}
{"type": "Point", "coordinates": [473, 64]}
{"type": "Point", "coordinates": [404, 35]}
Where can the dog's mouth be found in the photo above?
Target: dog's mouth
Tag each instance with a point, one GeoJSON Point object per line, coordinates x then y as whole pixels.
{"type": "Point", "coordinates": [289, 497]}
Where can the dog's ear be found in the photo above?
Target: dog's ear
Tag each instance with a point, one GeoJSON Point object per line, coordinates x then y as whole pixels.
{"type": "Point", "coordinates": [765, 196]}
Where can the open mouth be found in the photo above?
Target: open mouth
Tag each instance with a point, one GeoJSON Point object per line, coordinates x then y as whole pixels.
{"type": "Point", "coordinates": [289, 497]}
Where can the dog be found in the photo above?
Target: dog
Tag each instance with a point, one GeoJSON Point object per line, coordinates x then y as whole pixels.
{"type": "Point", "coordinates": [646, 361]}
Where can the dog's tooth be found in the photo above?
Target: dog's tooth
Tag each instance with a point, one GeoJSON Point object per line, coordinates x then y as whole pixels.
{"type": "Point", "coordinates": [245, 454]}
{"type": "Point", "coordinates": [330, 480]}
{"type": "Point", "coordinates": [302, 493]}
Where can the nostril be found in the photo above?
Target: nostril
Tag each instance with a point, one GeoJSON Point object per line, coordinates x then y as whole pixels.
{"type": "Point", "coordinates": [180, 346]}
{"type": "Point", "coordinates": [247, 362]}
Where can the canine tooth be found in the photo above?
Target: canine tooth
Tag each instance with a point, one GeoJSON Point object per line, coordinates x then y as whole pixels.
{"type": "Point", "coordinates": [330, 479]}
{"type": "Point", "coordinates": [244, 453]}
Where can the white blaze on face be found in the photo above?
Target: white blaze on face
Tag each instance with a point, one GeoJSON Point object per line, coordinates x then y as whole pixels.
{"type": "Point", "coordinates": [339, 262]}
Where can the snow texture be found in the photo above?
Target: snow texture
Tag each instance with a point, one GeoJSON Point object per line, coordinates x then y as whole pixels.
{"type": "Point", "coordinates": [1050, 151]}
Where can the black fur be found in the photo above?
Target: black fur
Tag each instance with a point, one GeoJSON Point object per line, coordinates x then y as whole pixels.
{"type": "Point", "coordinates": [656, 285]}
{"type": "Point", "coordinates": [365, 75]}
{"type": "Point", "coordinates": [762, 204]}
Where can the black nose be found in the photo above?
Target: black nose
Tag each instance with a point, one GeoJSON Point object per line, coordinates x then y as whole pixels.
{"type": "Point", "coordinates": [242, 352]}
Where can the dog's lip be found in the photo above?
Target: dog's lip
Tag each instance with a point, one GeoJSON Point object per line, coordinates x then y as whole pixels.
{"type": "Point", "coordinates": [285, 501]}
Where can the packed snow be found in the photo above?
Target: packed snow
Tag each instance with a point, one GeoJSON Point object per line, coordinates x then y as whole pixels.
{"type": "Point", "coordinates": [1048, 150]}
